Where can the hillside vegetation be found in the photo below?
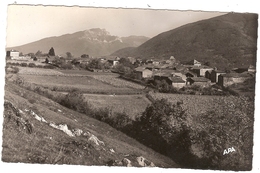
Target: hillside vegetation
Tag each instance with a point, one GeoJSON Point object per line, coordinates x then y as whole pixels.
{"type": "Point", "coordinates": [195, 131]}
{"type": "Point", "coordinates": [225, 41]}
{"type": "Point", "coordinates": [39, 130]}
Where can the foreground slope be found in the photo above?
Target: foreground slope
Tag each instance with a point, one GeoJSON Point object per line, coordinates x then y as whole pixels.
{"type": "Point", "coordinates": [38, 130]}
{"type": "Point", "coordinates": [225, 41]}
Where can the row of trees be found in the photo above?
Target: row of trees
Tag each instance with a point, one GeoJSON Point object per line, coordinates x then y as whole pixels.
{"type": "Point", "coordinates": [51, 52]}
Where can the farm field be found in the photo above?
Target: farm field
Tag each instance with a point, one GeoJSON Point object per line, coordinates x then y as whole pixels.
{"type": "Point", "coordinates": [84, 72]}
{"type": "Point", "coordinates": [133, 105]}
{"type": "Point", "coordinates": [194, 104]}
{"type": "Point", "coordinates": [38, 71]}
{"type": "Point", "coordinates": [85, 84]}
{"type": "Point", "coordinates": [116, 81]}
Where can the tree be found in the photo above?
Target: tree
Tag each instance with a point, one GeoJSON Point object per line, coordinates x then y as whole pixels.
{"type": "Point", "coordinates": [84, 56]}
{"type": "Point", "coordinates": [163, 126]}
{"type": "Point", "coordinates": [31, 55]}
{"type": "Point", "coordinates": [164, 118]}
{"type": "Point", "coordinates": [163, 86]}
{"type": "Point", "coordinates": [20, 53]}
{"type": "Point", "coordinates": [46, 60]}
{"type": "Point", "coordinates": [69, 55]}
{"type": "Point", "coordinates": [126, 62]}
{"type": "Point", "coordinates": [38, 53]}
{"type": "Point", "coordinates": [51, 52]}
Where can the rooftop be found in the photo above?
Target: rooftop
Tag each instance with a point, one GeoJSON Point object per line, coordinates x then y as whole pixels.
{"type": "Point", "coordinates": [140, 69]}
{"type": "Point", "coordinates": [200, 79]}
{"type": "Point", "coordinates": [176, 80]}
{"type": "Point", "coordinates": [202, 67]}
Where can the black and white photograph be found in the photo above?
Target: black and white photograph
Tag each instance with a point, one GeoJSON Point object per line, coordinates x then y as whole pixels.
{"type": "Point", "coordinates": [164, 89]}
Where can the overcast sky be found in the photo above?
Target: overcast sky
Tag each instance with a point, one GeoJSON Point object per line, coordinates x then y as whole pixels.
{"type": "Point", "coordinates": [26, 23]}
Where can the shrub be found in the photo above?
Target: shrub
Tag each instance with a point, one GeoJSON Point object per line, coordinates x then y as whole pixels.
{"type": "Point", "coordinates": [24, 64]}
{"type": "Point", "coordinates": [66, 66]}
{"type": "Point", "coordinates": [121, 121]}
{"type": "Point", "coordinates": [49, 66]}
{"type": "Point", "coordinates": [31, 65]}
{"type": "Point", "coordinates": [162, 126]}
{"type": "Point", "coordinates": [15, 69]}
{"type": "Point", "coordinates": [76, 101]}
{"type": "Point", "coordinates": [39, 66]}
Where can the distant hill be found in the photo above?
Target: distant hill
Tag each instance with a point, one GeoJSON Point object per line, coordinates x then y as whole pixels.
{"type": "Point", "coordinates": [95, 42]}
{"type": "Point", "coordinates": [225, 41]}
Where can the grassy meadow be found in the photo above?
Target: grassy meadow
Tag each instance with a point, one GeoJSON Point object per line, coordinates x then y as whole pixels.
{"type": "Point", "coordinates": [132, 105]}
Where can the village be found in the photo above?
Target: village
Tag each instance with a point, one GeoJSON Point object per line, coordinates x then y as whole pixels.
{"type": "Point", "coordinates": [147, 72]}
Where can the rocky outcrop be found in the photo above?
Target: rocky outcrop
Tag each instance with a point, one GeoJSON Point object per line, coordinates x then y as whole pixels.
{"type": "Point", "coordinates": [131, 162]}
{"type": "Point", "coordinates": [144, 162]}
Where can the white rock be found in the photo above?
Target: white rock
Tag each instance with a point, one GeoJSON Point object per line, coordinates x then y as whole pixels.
{"type": "Point", "coordinates": [95, 140]}
{"type": "Point", "coordinates": [126, 162]}
{"type": "Point", "coordinates": [77, 132]}
{"type": "Point", "coordinates": [140, 161]}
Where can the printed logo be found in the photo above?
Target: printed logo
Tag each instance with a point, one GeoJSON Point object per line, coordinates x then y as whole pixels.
{"type": "Point", "coordinates": [229, 150]}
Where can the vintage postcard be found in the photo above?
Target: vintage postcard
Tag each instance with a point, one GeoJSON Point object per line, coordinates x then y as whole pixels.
{"type": "Point", "coordinates": [119, 87]}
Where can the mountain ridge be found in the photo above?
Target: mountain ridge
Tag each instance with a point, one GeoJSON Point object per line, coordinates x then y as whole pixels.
{"type": "Point", "coordinates": [224, 41]}
{"type": "Point", "coordinates": [95, 42]}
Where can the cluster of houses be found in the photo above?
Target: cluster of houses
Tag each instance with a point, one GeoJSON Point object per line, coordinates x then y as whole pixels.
{"type": "Point", "coordinates": [192, 73]}
{"type": "Point", "coordinates": [174, 73]}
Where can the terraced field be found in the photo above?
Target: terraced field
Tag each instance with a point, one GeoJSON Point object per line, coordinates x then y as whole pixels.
{"type": "Point", "coordinates": [88, 82]}
{"type": "Point", "coordinates": [85, 84]}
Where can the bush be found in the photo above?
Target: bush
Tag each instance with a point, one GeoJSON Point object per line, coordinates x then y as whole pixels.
{"type": "Point", "coordinates": [66, 66]}
{"type": "Point", "coordinates": [49, 67]}
{"type": "Point", "coordinates": [39, 66]}
{"type": "Point", "coordinates": [121, 121]}
{"type": "Point", "coordinates": [162, 126]}
{"type": "Point", "coordinates": [24, 64]}
{"type": "Point", "coordinates": [76, 101]}
{"type": "Point", "coordinates": [31, 65]}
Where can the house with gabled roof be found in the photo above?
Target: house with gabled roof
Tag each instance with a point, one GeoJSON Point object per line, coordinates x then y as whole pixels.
{"type": "Point", "coordinates": [113, 60]}
{"type": "Point", "coordinates": [177, 82]}
{"type": "Point", "coordinates": [142, 72]}
{"type": "Point", "coordinates": [201, 70]}
{"type": "Point", "coordinates": [194, 63]}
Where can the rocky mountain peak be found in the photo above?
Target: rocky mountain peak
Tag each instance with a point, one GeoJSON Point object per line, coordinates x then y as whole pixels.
{"type": "Point", "coordinates": [99, 35]}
